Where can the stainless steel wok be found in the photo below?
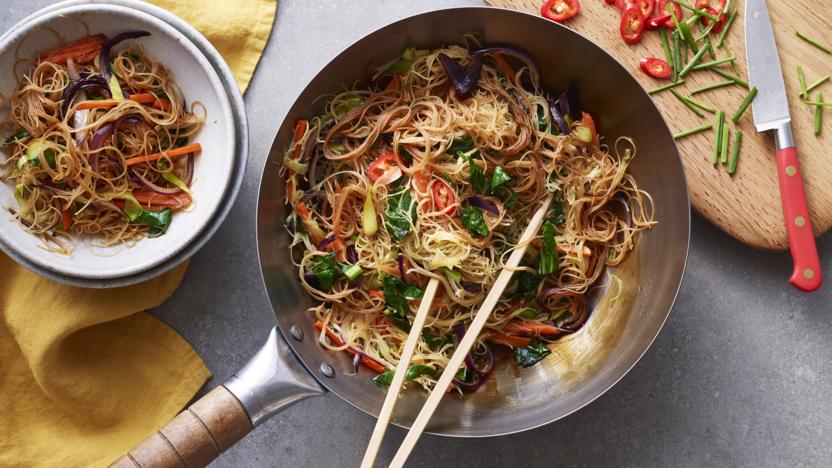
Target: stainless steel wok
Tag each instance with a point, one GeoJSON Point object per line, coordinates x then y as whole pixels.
{"type": "Point", "coordinates": [292, 366]}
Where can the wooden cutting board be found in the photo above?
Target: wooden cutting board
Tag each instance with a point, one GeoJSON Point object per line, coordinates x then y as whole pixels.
{"type": "Point", "coordinates": [747, 205]}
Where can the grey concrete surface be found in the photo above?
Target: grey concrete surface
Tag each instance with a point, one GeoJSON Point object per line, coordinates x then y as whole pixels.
{"type": "Point", "coordinates": [740, 375]}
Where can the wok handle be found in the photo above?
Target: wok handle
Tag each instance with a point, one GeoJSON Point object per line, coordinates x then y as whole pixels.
{"type": "Point", "coordinates": [195, 437]}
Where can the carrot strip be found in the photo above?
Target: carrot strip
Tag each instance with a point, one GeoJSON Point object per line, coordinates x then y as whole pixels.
{"type": "Point", "coordinates": [302, 210]}
{"type": "Point", "coordinates": [395, 83]}
{"type": "Point", "coordinates": [376, 293]}
{"type": "Point", "coordinates": [81, 51]}
{"type": "Point", "coordinates": [531, 328]}
{"type": "Point", "coordinates": [161, 104]}
{"type": "Point", "coordinates": [151, 199]}
{"type": "Point", "coordinates": [504, 66]}
{"type": "Point", "coordinates": [141, 98]}
{"type": "Point", "coordinates": [337, 341]}
{"type": "Point", "coordinates": [508, 340]}
{"type": "Point", "coordinates": [176, 152]}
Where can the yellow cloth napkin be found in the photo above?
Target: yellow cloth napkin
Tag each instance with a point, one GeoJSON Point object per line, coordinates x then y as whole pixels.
{"type": "Point", "coordinates": [85, 374]}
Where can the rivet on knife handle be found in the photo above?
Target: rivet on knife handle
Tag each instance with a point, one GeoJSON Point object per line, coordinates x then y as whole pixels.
{"type": "Point", "coordinates": [807, 272]}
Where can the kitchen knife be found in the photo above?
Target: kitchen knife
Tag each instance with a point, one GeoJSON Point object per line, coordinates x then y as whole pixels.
{"type": "Point", "coordinates": [771, 112]}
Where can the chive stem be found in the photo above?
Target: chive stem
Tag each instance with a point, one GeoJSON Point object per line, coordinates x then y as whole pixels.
{"type": "Point", "coordinates": [720, 122]}
{"type": "Point", "coordinates": [713, 86]}
{"type": "Point", "coordinates": [696, 58]}
{"type": "Point", "coordinates": [665, 87]}
{"type": "Point", "coordinates": [714, 63]}
{"type": "Point", "coordinates": [698, 12]}
{"type": "Point", "coordinates": [744, 105]}
{"type": "Point", "coordinates": [813, 42]}
{"type": "Point", "coordinates": [668, 55]}
{"type": "Point", "coordinates": [687, 103]}
{"type": "Point", "coordinates": [706, 31]}
{"type": "Point", "coordinates": [819, 115]}
{"type": "Point", "coordinates": [710, 47]}
{"type": "Point", "coordinates": [698, 104]}
{"type": "Point", "coordinates": [802, 78]}
{"type": "Point", "coordinates": [727, 7]}
{"type": "Point", "coordinates": [684, 32]}
{"type": "Point", "coordinates": [692, 131]}
{"type": "Point", "coordinates": [726, 139]}
{"type": "Point", "coordinates": [817, 103]}
{"type": "Point", "coordinates": [726, 28]}
{"type": "Point", "coordinates": [676, 62]}
{"type": "Point", "coordinates": [818, 83]}
{"type": "Point", "coordinates": [731, 77]}
{"type": "Point", "coordinates": [735, 153]}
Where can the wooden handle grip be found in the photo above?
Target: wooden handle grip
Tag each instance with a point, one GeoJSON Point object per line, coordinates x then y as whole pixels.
{"type": "Point", "coordinates": [195, 436]}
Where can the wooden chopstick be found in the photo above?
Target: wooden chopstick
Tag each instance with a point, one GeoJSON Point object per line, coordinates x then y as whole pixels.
{"type": "Point", "coordinates": [470, 337]}
{"type": "Point", "coordinates": [398, 378]}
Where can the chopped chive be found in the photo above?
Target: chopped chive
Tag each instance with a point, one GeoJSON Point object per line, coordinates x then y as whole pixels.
{"type": "Point", "coordinates": [802, 78]}
{"type": "Point", "coordinates": [692, 131]}
{"type": "Point", "coordinates": [815, 43]}
{"type": "Point", "coordinates": [720, 122]}
{"type": "Point", "coordinates": [818, 115]}
{"type": "Point", "coordinates": [676, 62]}
{"type": "Point", "coordinates": [698, 104]}
{"type": "Point", "coordinates": [684, 57]}
{"type": "Point", "coordinates": [816, 103]}
{"type": "Point", "coordinates": [818, 83]}
{"type": "Point", "coordinates": [668, 55]}
{"type": "Point", "coordinates": [710, 47]}
{"type": "Point", "coordinates": [696, 58]}
{"type": "Point", "coordinates": [684, 30]}
{"type": "Point", "coordinates": [726, 28]}
{"type": "Point", "coordinates": [712, 86]}
{"type": "Point", "coordinates": [698, 12]}
{"type": "Point", "coordinates": [731, 77]}
{"type": "Point", "coordinates": [726, 139]}
{"type": "Point", "coordinates": [714, 63]}
{"type": "Point", "coordinates": [744, 105]}
{"type": "Point", "coordinates": [727, 7]}
{"type": "Point", "coordinates": [665, 87]}
{"type": "Point", "coordinates": [687, 103]}
{"type": "Point", "coordinates": [735, 153]}
{"type": "Point", "coordinates": [706, 31]}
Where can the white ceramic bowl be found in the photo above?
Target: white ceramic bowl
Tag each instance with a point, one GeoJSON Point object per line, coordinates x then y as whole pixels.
{"type": "Point", "coordinates": [197, 79]}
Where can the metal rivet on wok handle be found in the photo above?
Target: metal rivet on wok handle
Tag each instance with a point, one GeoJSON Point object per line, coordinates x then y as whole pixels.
{"type": "Point", "coordinates": [195, 437]}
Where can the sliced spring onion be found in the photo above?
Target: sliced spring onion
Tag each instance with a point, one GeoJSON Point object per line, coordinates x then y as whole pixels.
{"type": "Point", "coordinates": [819, 115]}
{"type": "Point", "coordinates": [687, 35]}
{"type": "Point", "coordinates": [352, 272]}
{"type": "Point", "coordinates": [698, 104]}
{"type": "Point", "coordinates": [696, 11]}
{"type": "Point", "coordinates": [726, 139]}
{"type": "Point", "coordinates": [692, 131]}
{"type": "Point", "coordinates": [454, 275]}
{"type": "Point", "coordinates": [665, 87]}
{"type": "Point", "coordinates": [744, 105]}
{"type": "Point", "coordinates": [115, 88]}
{"type": "Point", "coordinates": [731, 77]}
{"type": "Point", "coordinates": [818, 83]}
{"type": "Point", "coordinates": [713, 86]}
{"type": "Point", "coordinates": [714, 63]}
{"type": "Point", "coordinates": [368, 217]}
{"type": "Point", "coordinates": [710, 45]}
{"type": "Point", "coordinates": [696, 58]}
{"type": "Point", "coordinates": [802, 78]}
{"type": "Point", "coordinates": [687, 103]}
{"type": "Point", "coordinates": [668, 55]}
{"type": "Point", "coordinates": [176, 181]}
{"type": "Point", "coordinates": [725, 29]}
{"type": "Point", "coordinates": [584, 134]}
{"type": "Point", "coordinates": [815, 43]}
{"type": "Point", "coordinates": [677, 65]}
{"type": "Point", "coordinates": [720, 122]}
{"type": "Point", "coordinates": [735, 153]}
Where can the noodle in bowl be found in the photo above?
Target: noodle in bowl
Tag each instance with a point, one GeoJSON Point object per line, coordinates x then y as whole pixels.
{"type": "Point", "coordinates": [190, 75]}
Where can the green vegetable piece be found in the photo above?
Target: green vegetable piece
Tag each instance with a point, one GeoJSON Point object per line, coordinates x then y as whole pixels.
{"type": "Point", "coordinates": [18, 135]}
{"type": "Point", "coordinates": [20, 193]}
{"type": "Point", "coordinates": [802, 78]}
{"type": "Point", "coordinates": [668, 55]}
{"type": "Point", "coordinates": [692, 131]}
{"type": "Point", "coordinates": [351, 272]}
{"type": "Point", "coordinates": [687, 103]}
{"type": "Point", "coordinates": [473, 220]}
{"type": "Point", "coordinates": [714, 63]}
{"type": "Point", "coordinates": [815, 43]}
{"type": "Point", "coordinates": [720, 121]}
{"type": "Point", "coordinates": [384, 379]}
{"type": "Point", "coordinates": [176, 181]}
{"type": "Point", "coordinates": [527, 313]}
{"type": "Point", "coordinates": [713, 86]}
{"type": "Point", "coordinates": [818, 83]}
{"type": "Point", "coordinates": [325, 269]}
{"type": "Point", "coordinates": [159, 221]}
{"type": "Point", "coordinates": [735, 153]}
{"type": "Point", "coordinates": [549, 260]}
{"type": "Point", "coordinates": [454, 275]}
{"type": "Point", "coordinates": [527, 283]}
{"type": "Point", "coordinates": [725, 28]}
{"type": "Point", "coordinates": [400, 215]}
{"type": "Point", "coordinates": [527, 356]}
{"type": "Point", "coordinates": [396, 294]}
{"type": "Point", "coordinates": [583, 134]}
{"type": "Point", "coordinates": [819, 116]}
{"type": "Point", "coordinates": [744, 105]}
{"type": "Point", "coordinates": [558, 213]}
{"type": "Point", "coordinates": [731, 77]}
{"type": "Point", "coordinates": [686, 34]}
{"type": "Point", "coordinates": [464, 144]}
{"type": "Point", "coordinates": [417, 370]}
{"type": "Point", "coordinates": [433, 340]}
{"type": "Point", "coordinates": [665, 87]}
{"type": "Point", "coordinates": [726, 140]}
{"type": "Point", "coordinates": [696, 58]}
{"type": "Point", "coordinates": [499, 178]}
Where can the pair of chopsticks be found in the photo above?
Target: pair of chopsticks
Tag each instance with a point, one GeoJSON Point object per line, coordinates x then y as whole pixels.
{"type": "Point", "coordinates": [465, 345]}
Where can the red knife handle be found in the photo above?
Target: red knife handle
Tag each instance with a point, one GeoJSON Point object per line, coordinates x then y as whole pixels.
{"type": "Point", "coordinates": [807, 274]}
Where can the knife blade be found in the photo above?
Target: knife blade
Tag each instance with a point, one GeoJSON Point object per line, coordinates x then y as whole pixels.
{"type": "Point", "coordinates": [771, 112]}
